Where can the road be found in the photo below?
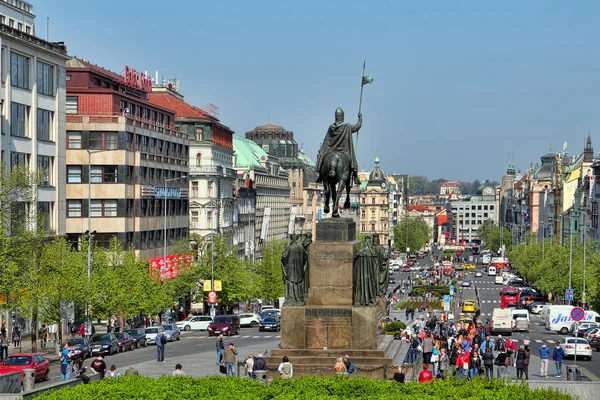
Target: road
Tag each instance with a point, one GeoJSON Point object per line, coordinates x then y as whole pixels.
{"type": "Point", "coordinates": [195, 351]}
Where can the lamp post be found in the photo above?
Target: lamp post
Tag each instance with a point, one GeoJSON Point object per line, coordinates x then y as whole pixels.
{"type": "Point", "coordinates": [165, 224]}
{"type": "Point", "coordinates": [584, 248]}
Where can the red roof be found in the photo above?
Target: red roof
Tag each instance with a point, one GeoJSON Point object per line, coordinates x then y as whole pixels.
{"type": "Point", "coordinates": [442, 219]}
{"type": "Point", "coordinates": [417, 208]}
{"type": "Point", "coordinates": [181, 108]}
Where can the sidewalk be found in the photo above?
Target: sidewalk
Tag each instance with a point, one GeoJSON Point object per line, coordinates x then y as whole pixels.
{"type": "Point", "coordinates": [50, 352]}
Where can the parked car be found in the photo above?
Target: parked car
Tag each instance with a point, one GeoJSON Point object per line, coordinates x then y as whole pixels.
{"type": "Point", "coordinates": [583, 326]}
{"type": "Point", "coordinates": [274, 312]}
{"type": "Point", "coordinates": [104, 343]}
{"type": "Point", "coordinates": [593, 334]}
{"type": "Point", "coordinates": [249, 319]}
{"type": "Point", "coordinates": [21, 361]}
{"type": "Point", "coordinates": [594, 340]}
{"type": "Point", "coordinates": [582, 332]}
{"type": "Point", "coordinates": [269, 324]}
{"type": "Point", "coordinates": [195, 323]}
{"type": "Point", "coordinates": [583, 348]}
{"type": "Point", "coordinates": [125, 341]}
{"type": "Point", "coordinates": [151, 333]}
{"type": "Point", "coordinates": [139, 337]}
{"type": "Point", "coordinates": [172, 332]}
{"type": "Point", "coordinates": [535, 307]}
{"type": "Point", "coordinates": [79, 347]}
{"type": "Point", "coordinates": [225, 324]}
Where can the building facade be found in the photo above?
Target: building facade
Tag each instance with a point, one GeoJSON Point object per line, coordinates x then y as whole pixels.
{"type": "Point", "coordinates": [470, 212]}
{"type": "Point", "coordinates": [272, 191]}
{"type": "Point", "coordinates": [127, 163]}
{"type": "Point", "coordinates": [211, 174]}
{"type": "Point", "coordinates": [375, 205]}
{"type": "Point", "coordinates": [32, 101]}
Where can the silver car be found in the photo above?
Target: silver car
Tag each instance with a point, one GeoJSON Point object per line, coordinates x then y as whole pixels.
{"type": "Point", "coordinates": [172, 332]}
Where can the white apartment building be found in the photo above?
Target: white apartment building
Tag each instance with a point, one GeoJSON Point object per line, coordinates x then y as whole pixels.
{"type": "Point", "coordinates": [32, 101]}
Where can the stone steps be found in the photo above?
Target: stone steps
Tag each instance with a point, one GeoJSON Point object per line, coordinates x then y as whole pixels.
{"type": "Point", "coordinates": [326, 353]}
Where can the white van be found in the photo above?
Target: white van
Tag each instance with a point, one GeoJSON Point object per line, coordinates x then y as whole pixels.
{"type": "Point", "coordinates": [498, 280]}
{"type": "Point", "coordinates": [492, 271]}
{"type": "Point", "coordinates": [520, 320]}
{"type": "Point", "coordinates": [502, 320]}
{"type": "Point", "coordinates": [558, 318]}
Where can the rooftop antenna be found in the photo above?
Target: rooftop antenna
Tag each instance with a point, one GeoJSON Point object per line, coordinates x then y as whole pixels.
{"type": "Point", "coordinates": [47, 29]}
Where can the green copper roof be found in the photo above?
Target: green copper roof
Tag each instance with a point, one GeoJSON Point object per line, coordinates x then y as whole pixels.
{"type": "Point", "coordinates": [306, 159]}
{"type": "Point", "coordinates": [247, 153]}
{"type": "Point", "coordinates": [363, 185]}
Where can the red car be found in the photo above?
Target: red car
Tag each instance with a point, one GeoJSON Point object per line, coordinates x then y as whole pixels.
{"type": "Point", "coordinates": [19, 362]}
{"type": "Point", "coordinates": [406, 268]}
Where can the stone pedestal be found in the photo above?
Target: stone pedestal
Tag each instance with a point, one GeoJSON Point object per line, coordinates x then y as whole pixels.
{"type": "Point", "coordinates": [330, 325]}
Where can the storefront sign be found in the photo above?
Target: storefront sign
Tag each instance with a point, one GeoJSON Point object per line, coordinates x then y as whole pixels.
{"type": "Point", "coordinates": [161, 192]}
{"type": "Point", "coordinates": [137, 80]}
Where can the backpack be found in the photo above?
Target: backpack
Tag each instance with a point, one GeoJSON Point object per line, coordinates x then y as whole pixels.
{"type": "Point", "coordinates": [351, 368]}
{"type": "Point", "coordinates": [415, 343]}
{"type": "Point", "coordinates": [163, 339]}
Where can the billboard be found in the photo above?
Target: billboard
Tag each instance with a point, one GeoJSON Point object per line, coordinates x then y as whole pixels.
{"type": "Point", "coordinates": [175, 264]}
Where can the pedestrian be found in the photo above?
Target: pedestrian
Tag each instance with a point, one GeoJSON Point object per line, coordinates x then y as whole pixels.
{"type": "Point", "coordinates": [82, 330]}
{"type": "Point", "coordinates": [476, 365]}
{"type": "Point", "coordinates": [488, 362]}
{"type": "Point", "coordinates": [339, 366]}
{"type": "Point", "coordinates": [435, 358]}
{"type": "Point", "coordinates": [425, 375]}
{"type": "Point", "coordinates": [527, 357]}
{"type": "Point", "coordinates": [178, 370]}
{"type": "Point", "coordinates": [78, 371]}
{"type": "Point", "coordinates": [220, 349]}
{"type": "Point", "coordinates": [113, 373]}
{"type": "Point", "coordinates": [53, 331]}
{"type": "Point", "coordinates": [444, 363]}
{"type": "Point", "coordinates": [349, 366]}
{"type": "Point", "coordinates": [500, 344]}
{"type": "Point", "coordinates": [399, 375]}
{"type": "Point", "coordinates": [520, 361]}
{"type": "Point", "coordinates": [502, 360]}
{"type": "Point", "coordinates": [16, 336]}
{"type": "Point", "coordinates": [43, 334]}
{"type": "Point", "coordinates": [427, 348]}
{"type": "Point", "coordinates": [161, 341]}
{"type": "Point", "coordinates": [229, 359]}
{"type": "Point", "coordinates": [131, 371]}
{"type": "Point", "coordinates": [558, 355]}
{"type": "Point", "coordinates": [99, 366]}
{"type": "Point", "coordinates": [511, 350]}
{"type": "Point", "coordinates": [65, 368]}
{"type": "Point", "coordinates": [3, 347]}
{"type": "Point", "coordinates": [250, 366]}
{"type": "Point", "coordinates": [72, 329]}
{"type": "Point", "coordinates": [259, 363]}
{"type": "Point", "coordinates": [544, 355]}
{"type": "Point", "coordinates": [286, 369]}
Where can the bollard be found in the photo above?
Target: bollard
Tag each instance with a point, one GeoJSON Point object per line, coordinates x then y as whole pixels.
{"type": "Point", "coordinates": [573, 373]}
{"type": "Point", "coordinates": [261, 376]}
{"type": "Point", "coordinates": [28, 379]}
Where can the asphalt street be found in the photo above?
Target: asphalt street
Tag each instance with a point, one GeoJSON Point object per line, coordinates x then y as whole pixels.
{"type": "Point", "coordinates": [195, 351]}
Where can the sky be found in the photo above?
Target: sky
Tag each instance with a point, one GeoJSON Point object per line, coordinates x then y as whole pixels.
{"type": "Point", "coordinates": [458, 85]}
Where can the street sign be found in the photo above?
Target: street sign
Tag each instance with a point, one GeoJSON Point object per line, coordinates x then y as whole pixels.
{"type": "Point", "coordinates": [446, 298]}
{"type": "Point", "coordinates": [577, 314]}
{"type": "Point", "coordinates": [569, 294]}
{"type": "Point", "coordinates": [213, 312]}
{"type": "Point", "coordinates": [446, 303]}
{"type": "Point", "coordinates": [212, 297]}
{"type": "Point", "coordinates": [208, 288]}
{"type": "Point", "coordinates": [319, 215]}
{"type": "Point", "coordinates": [451, 290]}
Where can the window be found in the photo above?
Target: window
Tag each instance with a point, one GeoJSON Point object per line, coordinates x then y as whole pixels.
{"type": "Point", "coordinates": [44, 170]}
{"type": "Point", "coordinates": [2, 20]}
{"type": "Point", "coordinates": [198, 134]}
{"type": "Point", "coordinates": [103, 140]}
{"type": "Point", "coordinates": [103, 208]}
{"type": "Point", "coordinates": [195, 219]}
{"type": "Point", "coordinates": [44, 210]}
{"type": "Point", "coordinates": [130, 174]}
{"type": "Point", "coordinates": [372, 214]}
{"type": "Point", "coordinates": [74, 140]}
{"type": "Point", "coordinates": [73, 208]}
{"type": "Point", "coordinates": [485, 215]}
{"type": "Point", "coordinates": [130, 207]}
{"type": "Point", "coordinates": [11, 22]}
{"type": "Point", "coordinates": [195, 189]}
{"type": "Point", "coordinates": [372, 227]}
{"type": "Point", "coordinates": [19, 70]}
{"type": "Point", "coordinates": [103, 174]}
{"type": "Point", "coordinates": [20, 26]}
{"type": "Point", "coordinates": [491, 207]}
{"type": "Point", "coordinates": [19, 160]}
{"type": "Point", "coordinates": [362, 214]}
{"type": "Point", "coordinates": [18, 123]}
{"type": "Point", "coordinates": [45, 79]}
{"type": "Point", "coordinates": [28, 29]}
{"type": "Point", "coordinates": [363, 200]}
{"type": "Point", "coordinates": [74, 173]}
{"type": "Point", "coordinates": [479, 208]}
{"type": "Point", "coordinates": [362, 227]}
{"type": "Point", "coordinates": [72, 105]}
{"type": "Point", "coordinates": [123, 105]}
{"type": "Point", "coordinates": [44, 124]}
{"type": "Point", "coordinates": [372, 200]}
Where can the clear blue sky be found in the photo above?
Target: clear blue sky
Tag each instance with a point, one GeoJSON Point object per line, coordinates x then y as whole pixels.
{"type": "Point", "coordinates": [459, 85]}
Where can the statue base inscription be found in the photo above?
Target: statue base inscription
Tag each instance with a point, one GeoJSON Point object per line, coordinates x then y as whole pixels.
{"type": "Point", "coordinates": [336, 230]}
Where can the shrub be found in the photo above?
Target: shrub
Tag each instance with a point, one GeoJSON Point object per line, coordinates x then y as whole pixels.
{"type": "Point", "coordinates": [394, 327]}
{"type": "Point", "coordinates": [180, 388]}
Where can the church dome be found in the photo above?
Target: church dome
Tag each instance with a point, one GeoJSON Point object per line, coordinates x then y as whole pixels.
{"type": "Point", "coordinates": [270, 127]}
{"type": "Point", "coordinates": [377, 175]}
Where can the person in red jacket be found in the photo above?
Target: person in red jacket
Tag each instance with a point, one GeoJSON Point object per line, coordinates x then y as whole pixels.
{"type": "Point", "coordinates": [425, 375]}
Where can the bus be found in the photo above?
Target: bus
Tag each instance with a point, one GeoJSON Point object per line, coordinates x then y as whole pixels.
{"type": "Point", "coordinates": [509, 297]}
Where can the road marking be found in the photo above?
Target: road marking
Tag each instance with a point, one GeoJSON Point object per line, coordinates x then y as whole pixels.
{"type": "Point", "coordinates": [256, 337]}
{"type": "Point", "coordinates": [550, 341]}
{"type": "Point", "coordinates": [538, 341]}
{"type": "Point", "coordinates": [278, 336]}
{"type": "Point", "coordinates": [245, 336]}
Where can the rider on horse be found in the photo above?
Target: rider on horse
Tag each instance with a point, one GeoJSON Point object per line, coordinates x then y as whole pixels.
{"type": "Point", "coordinates": [339, 139]}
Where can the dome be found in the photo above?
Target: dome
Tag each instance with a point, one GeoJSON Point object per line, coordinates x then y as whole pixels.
{"type": "Point", "coordinates": [376, 175]}
{"type": "Point", "coordinates": [269, 127]}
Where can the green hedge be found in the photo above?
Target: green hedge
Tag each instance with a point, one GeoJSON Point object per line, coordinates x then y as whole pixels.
{"type": "Point", "coordinates": [435, 290]}
{"type": "Point", "coordinates": [395, 327]}
{"type": "Point", "coordinates": [184, 388]}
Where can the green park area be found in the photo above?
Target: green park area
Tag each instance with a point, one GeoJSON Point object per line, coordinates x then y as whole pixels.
{"type": "Point", "coordinates": [180, 388]}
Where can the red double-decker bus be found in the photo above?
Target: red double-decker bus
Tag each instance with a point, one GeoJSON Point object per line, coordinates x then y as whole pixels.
{"type": "Point", "coordinates": [509, 297]}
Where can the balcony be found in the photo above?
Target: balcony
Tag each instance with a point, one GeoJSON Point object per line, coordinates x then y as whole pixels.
{"type": "Point", "coordinates": [128, 119]}
{"type": "Point", "coordinates": [207, 170]}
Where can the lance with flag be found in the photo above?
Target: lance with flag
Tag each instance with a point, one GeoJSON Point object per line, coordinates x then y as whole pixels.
{"type": "Point", "coordinates": [365, 81]}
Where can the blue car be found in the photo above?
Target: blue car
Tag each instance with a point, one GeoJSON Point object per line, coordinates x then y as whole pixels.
{"type": "Point", "coordinates": [269, 324]}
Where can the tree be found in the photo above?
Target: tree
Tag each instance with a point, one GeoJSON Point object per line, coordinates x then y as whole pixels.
{"type": "Point", "coordinates": [418, 234]}
{"type": "Point", "coordinates": [494, 236]}
{"type": "Point", "coordinates": [269, 274]}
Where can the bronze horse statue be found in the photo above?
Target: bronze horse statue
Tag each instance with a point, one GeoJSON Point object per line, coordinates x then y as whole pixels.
{"type": "Point", "coordinates": [335, 175]}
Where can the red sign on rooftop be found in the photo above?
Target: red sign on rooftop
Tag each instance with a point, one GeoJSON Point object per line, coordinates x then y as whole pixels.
{"type": "Point", "coordinates": [137, 80]}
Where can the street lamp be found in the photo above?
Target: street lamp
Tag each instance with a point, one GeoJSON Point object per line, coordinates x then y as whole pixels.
{"type": "Point", "coordinates": [165, 225]}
